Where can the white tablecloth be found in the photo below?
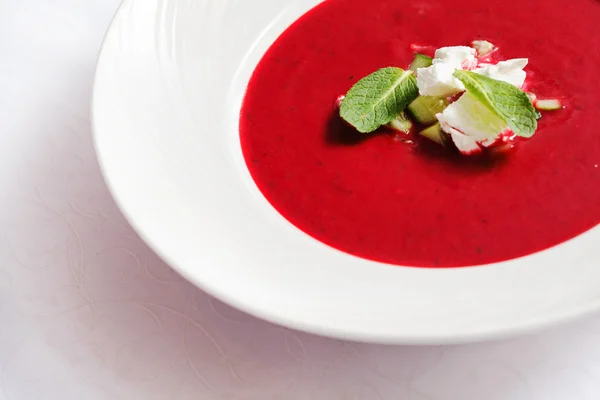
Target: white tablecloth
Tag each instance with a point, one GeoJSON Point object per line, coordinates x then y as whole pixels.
{"type": "Point", "coordinates": [88, 312]}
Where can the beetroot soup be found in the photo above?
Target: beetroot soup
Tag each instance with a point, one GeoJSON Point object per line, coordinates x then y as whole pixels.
{"type": "Point", "coordinates": [397, 199]}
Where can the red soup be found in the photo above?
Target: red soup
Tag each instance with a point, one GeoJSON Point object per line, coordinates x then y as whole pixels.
{"type": "Point", "coordinates": [386, 200]}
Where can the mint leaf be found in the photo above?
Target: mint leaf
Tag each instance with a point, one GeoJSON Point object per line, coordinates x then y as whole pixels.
{"type": "Point", "coordinates": [379, 98]}
{"type": "Point", "coordinates": [507, 101]}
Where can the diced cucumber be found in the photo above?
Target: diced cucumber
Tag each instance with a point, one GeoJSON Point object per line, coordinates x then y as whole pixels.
{"type": "Point", "coordinates": [532, 97]}
{"type": "Point", "coordinates": [424, 108]}
{"type": "Point", "coordinates": [548, 105]}
{"type": "Point", "coordinates": [533, 100]}
{"type": "Point", "coordinates": [436, 134]}
{"type": "Point", "coordinates": [420, 61]}
{"type": "Point", "coordinates": [483, 47]}
{"type": "Point", "coordinates": [401, 123]}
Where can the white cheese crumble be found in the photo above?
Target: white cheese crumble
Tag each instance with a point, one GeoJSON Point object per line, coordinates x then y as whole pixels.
{"type": "Point", "coordinates": [438, 79]}
{"type": "Point", "coordinates": [460, 57]}
{"type": "Point", "coordinates": [510, 71]}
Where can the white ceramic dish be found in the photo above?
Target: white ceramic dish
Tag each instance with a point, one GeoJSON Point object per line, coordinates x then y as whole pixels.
{"type": "Point", "coordinates": [167, 94]}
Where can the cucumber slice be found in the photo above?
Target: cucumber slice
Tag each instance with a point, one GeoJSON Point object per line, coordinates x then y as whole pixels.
{"type": "Point", "coordinates": [436, 134]}
{"type": "Point", "coordinates": [424, 108]}
{"type": "Point", "coordinates": [548, 105]}
{"type": "Point", "coordinates": [401, 123]}
{"type": "Point", "coordinates": [420, 61]}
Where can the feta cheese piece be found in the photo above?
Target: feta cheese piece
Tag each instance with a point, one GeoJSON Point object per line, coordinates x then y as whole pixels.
{"type": "Point", "coordinates": [510, 71]}
{"type": "Point", "coordinates": [465, 144]}
{"type": "Point", "coordinates": [471, 123]}
{"type": "Point", "coordinates": [438, 80]}
{"type": "Point", "coordinates": [459, 57]}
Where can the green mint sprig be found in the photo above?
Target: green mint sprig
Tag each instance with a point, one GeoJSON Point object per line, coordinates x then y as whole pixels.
{"type": "Point", "coordinates": [505, 100]}
{"type": "Point", "coordinates": [379, 98]}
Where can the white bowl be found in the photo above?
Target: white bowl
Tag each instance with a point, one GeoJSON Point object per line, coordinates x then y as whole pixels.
{"type": "Point", "coordinates": [167, 95]}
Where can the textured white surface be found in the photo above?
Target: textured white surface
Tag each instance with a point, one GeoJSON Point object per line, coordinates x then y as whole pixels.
{"type": "Point", "coordinates": [88, 312]}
